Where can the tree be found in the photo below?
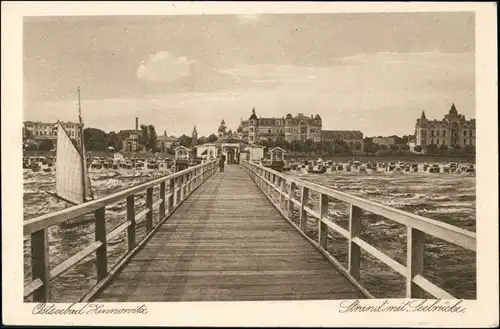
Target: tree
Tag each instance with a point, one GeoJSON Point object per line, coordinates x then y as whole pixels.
{"type": "Point", "coordinates": [152, 138]}
{"type": "Point", "coordinates": [144, 135]}
{"type": "Point", "coordinates": [369, 145]}
{"type": "Point", "coordinates": [124, 134]}
{"type": "Point", "coordinates": [442, 149]}
{"type": "Point", "coordinates": [95, 139]}
{"type": "Point", "coordinates": [431, 148]}
{"type": "Point", "coordinates": [30, 146]}
{"type": "Point", "coordinates": [114, 140]}
{"type": "Point", "coordinates": [405, 139]}
{"type": "Point", "coordinates": [202, 140]}
{"type": "Point", "coordinates": [185, 141]}
{"type": "Point", "coordinates": [212, 138]}
{"type": "Point", "coordinates": [46, 145]}
{"type": "Point", "coordinates": [418, 148]}
{"type": "Point", "coordinates": [283, 143]}
{"type": "Point", "coordinates": [470, 149]}
{"type": "Point", "coordinates": [308, 145]}
{"type": "Point", "coordinates": [341, 147]}
{"type": "Point", "coordinates": [297, 146]}
{"type": "Point", "coordinates": [328, 147]}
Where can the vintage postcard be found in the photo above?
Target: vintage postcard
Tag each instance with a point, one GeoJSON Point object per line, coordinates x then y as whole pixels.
{"type": "Point", "coordinates": [249, 164]}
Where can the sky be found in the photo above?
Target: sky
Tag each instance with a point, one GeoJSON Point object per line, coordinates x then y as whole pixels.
{"type": "Point", "coordinates": [373, 72]}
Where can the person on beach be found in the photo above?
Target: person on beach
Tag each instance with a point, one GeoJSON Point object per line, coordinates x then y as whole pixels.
{"type": "Point", "coordinates": [221, 162]}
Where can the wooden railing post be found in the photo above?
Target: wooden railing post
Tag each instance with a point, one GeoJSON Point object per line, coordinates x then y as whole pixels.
{"type": "Point", "coordinates": [149, 205]}
{"type": "Point", "coordinates": [304, 201]}
{"type": "Point", "coordinates": [414, 261]}
{"type": "Point", "coordinates": [282, 190]}
{"type": "Point", "coordinates": [40, 268]}
{"type": "Point", "coordinates": [131, 219]}
{"type": "Point", "coordinates": [161, 211]}
{"type": "Point", "coordinates": [185, 179]}
{"type": "Point", "coordinates": [101, 252]}
{"type": "Point", "coordinates": [175, 191]}
{"type": "Point", "coordinates": [273, 185]}
{"type": "Point", "coordinates": [354, 249]}
{"type": "Point", "coordinates": [268, 184]}
{"type": "Point", "coordinates": [181, 190]}
{"type": "Point", "coordinates": [323, 214]}
{"type": "Point", "coordinates": [291, 197]}
{"type": "Point", "coordinates": [171, 197]}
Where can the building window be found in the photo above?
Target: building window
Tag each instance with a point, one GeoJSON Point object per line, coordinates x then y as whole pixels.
{"type": "Point", "coordinates": [432, 133]}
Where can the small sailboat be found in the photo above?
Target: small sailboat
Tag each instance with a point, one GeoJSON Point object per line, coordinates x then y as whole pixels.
{"type": "Point", "coordinates": [73, 184]}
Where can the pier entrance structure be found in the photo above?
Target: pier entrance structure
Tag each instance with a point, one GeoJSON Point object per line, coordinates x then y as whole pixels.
{"type": "Point", "coordinates": [249, 233]}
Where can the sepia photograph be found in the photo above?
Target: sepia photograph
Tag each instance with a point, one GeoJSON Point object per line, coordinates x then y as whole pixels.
{"type": "Point", "coordinates": [246, 157]}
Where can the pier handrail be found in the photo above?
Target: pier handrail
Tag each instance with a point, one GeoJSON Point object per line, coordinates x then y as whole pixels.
{"type": "Point", "coordinates": [181, 185]}
{"type": "Point", "coordinates": [270, 180]}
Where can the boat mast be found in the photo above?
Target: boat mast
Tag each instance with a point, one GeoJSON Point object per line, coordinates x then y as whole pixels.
{"type": "Point", "coordinates": [82, 159]}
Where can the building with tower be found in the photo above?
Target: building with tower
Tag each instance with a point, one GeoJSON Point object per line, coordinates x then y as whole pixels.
{"type": "Point", "coordinates": [132, 142]}
{"type": "Point", "coordinates": [165, 143]}
{"type": "Point", "coordinates": [222, 131]}
{"type": "Point", "coordinates": [194, 138]}
{"type": "Point", "coordinates": [452, 131]}
{"type": "Point", "coordinates": [290, 128]}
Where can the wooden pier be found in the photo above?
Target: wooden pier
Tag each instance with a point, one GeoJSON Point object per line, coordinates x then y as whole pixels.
{"type": "Point", "coordinates": [230, 237]}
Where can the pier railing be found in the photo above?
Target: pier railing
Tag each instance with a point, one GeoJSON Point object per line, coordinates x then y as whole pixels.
{"type": "Point", "coordinates": [274, 183]}
{"type": "Point", "coordinates": [173, 190]}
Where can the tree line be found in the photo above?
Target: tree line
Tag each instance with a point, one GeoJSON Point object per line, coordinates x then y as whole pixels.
{"type": "Point", "coordinates": [98, 140]}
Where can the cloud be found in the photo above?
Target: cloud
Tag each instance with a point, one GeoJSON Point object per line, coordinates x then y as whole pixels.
{"type": "Point", "coordinates": [379, 94]}
{"type": "Point", "coordinates": [164, 67]}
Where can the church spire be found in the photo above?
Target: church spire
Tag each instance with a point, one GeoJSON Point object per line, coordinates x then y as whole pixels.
{"type": "Point", "coordinates": [253, 115]}
{"type": "Point", "coordinates": [194, 138]}
{"type": "Point", "coordinates": [453, 109]}
{"type": "Point", "coordinates": [422, 117]}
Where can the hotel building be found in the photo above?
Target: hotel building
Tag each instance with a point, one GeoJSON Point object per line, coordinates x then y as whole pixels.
{"type": "Point", "coordinates": [300, 127]}
{"type": "Point", "coordinates": [453, 130]}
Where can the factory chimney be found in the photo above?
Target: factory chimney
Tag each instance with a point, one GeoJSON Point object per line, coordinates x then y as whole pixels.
{"type": "Point", "coordinates": [136, 124]}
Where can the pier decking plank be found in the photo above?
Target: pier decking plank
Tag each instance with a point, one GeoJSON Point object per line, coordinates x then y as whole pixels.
{"type": "Point", "coordinates": [226, 242]}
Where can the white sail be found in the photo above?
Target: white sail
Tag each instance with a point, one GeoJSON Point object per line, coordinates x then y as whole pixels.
{"type": "Point", "coordinates": [70, 184]}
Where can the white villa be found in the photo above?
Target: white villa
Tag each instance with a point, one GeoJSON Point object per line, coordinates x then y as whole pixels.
{"type": "Point", "coordinates": [233, 149]}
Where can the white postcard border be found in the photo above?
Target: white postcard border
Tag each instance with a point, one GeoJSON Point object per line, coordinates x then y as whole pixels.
{"type": "Point", "coordinates": [482, 312]}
